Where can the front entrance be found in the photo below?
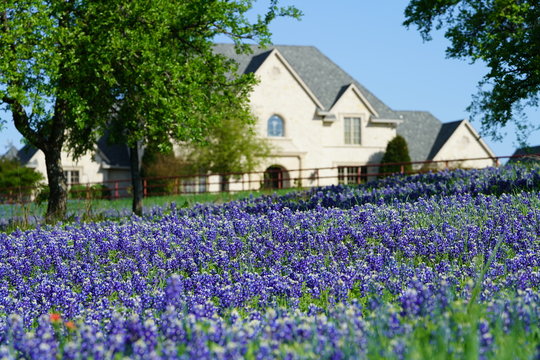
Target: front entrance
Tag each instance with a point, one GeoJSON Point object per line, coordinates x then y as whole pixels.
{"type": "Point", "coordinates": [276, 177]}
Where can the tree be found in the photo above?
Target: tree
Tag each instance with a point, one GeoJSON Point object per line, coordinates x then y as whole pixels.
{"type": "Point", "coordinates": [503, 34]}
{"type": "Point", "coordinates": [232, 146]}
{"type": "Point", "coordinates": [169, 83]}
{"type": "Point", "coordinates": [397, 151]}
{"type": "Point", "coordinates": [145, 69]}
{"type": "Point", "coordinates": [16, 180]}
{"type": "Point", "coordinates": [52, 82]}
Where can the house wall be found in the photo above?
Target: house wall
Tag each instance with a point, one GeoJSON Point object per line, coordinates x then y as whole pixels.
{"type": "Point", "coordinates": [309, 142]}
{"type": "Point", "coordinates": [89, 170]}
{"type": "Point", "coordinates": [461, 145]}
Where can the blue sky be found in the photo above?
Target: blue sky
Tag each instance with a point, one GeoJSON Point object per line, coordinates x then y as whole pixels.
{"type": "Point", "coordinates": [367, 40]}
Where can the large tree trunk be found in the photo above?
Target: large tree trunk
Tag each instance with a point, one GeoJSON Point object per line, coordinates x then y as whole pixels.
{"type": "Point", "coordinates": [135, 158]}
{"type": "Point", "coordinates": [57, 204]}
{"type": "Point", "coordinates": [50, 140]}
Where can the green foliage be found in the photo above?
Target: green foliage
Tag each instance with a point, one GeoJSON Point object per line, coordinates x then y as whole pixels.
{"type": "Point", "coordinates": [168, 82]}
{"type": "Point", "coordinates": [96, 191]}
{"type": "Point", "coordinates": [17, 181]}
{"type": "Point", "coordinates": [145, 70]}
{"type": "Point", "coordinates": [502, 34]}
{"type": "Point", "coordinates": [397, 151]}
{"type": "Point", "coordinates": [231, 146]}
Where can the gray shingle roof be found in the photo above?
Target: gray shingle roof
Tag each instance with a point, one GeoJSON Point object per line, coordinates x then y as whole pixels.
{"type": "Point", "coordinates": [447, 129]}
{"type": "Point", "coordinates": [420, 129]}
{"type": "Point", "coordinates": [323, 77]}
{"type": "Point", "coordinates": [113, 154]}
{"type": "Point", "coordinates": [26, 153]}
{"type": "Point", "coordinates": [11, 153]}
{"type": "Point", "coordinates": [116, 155]}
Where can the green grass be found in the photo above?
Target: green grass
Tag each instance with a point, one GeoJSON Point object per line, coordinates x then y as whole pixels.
{"type": "Point", "coordinates": [25, 215]}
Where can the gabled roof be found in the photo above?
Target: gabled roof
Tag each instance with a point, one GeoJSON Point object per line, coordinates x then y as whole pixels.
{"type": "Point", "coordinates": [324, 78]}
{"type": "Point", "coordinates": [11, 153]}
{"type": "Point", "coordinates": [424, 133]}
{"type": "Point", "coordinates": [115, 155]}
{"type": "Point", "coordinates": [420, 129]}
{"type": "Point", "coordinates": [26, 153]}
{"type": "Point", "coordinates": [446, 131]}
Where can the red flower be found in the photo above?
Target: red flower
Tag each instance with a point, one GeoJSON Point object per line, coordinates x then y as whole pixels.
{"type": "Point", "coordinates": [55, 317]}
{"type": "Point", "coordinates": [70, 325]}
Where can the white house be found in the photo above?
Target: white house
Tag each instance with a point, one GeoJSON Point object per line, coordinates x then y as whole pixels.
{"type": "Point", "coordinates": [108, 164]}
{"type": "Point", "coordinates": [318, 116]}
{"type": "Point", "coordinates": [325, 127]}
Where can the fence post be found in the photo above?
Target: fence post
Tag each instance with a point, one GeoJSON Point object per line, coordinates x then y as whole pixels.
{"type": "Point", "coordinates": [145, 192]}
{"type": "Point", "coordinates": [116, 189]}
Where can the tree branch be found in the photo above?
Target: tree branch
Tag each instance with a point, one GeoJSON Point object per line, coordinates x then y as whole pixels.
{"type": "Point", "coordinates": [22, 122]}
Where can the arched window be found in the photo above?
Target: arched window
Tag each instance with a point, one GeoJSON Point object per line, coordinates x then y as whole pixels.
{"type": "Point", "coordinates": [276, 126]}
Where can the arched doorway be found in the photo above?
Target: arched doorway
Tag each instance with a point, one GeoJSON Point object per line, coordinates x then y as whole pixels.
{"type": "Point", "coordinates": [276, 177]}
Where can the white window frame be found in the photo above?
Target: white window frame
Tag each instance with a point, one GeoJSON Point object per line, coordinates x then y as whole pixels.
{"type": "Point", "coordinates": [68, 173]}
{"type": "Point", "coordinates": [352, 129]}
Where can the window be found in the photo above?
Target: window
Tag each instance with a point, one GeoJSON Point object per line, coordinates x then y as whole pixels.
{"type": "Point", "coordinates": [352, 130]}
{"type": "Point", "coordinates": [348, 175]}
{"type": "Point", "coordinates": [72, 177]}
{"type": "Point", "coordinates": [276, 126]}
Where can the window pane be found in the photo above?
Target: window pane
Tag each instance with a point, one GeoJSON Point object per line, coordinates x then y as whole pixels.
{"type": "Point", "coordinates": [75, 176]}
{"type": "Point", "coordinates": [356, 130]}
{"type": "Point", "coordinates": [347, 128]}
{"type": "Point", "coordinates": [275, 126]}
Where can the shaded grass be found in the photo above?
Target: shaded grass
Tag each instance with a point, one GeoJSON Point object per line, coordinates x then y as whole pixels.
{"type": "Point", "coordinates": [28, 215]}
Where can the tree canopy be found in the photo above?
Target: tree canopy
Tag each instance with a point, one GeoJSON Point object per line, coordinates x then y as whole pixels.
{"type": "Point", "coordinates": [231, 146]}
{"type": "Point", "coordinates": [169, 83]}
{"type": "Point", "coordinates": [144, 70]}
{"type": "Point", "coordinates": [503, 34]}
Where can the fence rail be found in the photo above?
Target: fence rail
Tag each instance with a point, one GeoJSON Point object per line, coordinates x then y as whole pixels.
{"type": "Point", "coordinates": [233, 182]}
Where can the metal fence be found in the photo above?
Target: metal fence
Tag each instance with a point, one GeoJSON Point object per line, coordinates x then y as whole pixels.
{"type": "Point", "coordinates": [273, 178]}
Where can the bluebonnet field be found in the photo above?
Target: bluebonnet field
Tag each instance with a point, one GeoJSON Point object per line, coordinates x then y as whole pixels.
{"type": "Point", "coordinates": [443, 265]}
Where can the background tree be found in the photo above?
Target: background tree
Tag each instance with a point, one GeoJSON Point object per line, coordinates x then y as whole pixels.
{"type": "Point", "coordinates": [231, 146]}
{"type": "Point", "coordinates": [17, 182]}
{"type": "Point", "coordinates": [168, 81]}
{"type": "Point", "coordinates": [503, 34]}
{"type": "Point", "coordinates": [397, 151]}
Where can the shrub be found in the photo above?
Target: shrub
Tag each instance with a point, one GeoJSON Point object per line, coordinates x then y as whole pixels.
{"type": "Point", "coordinates": [397, 151]}
{"type": "Point", "coordinates": [17, 182]}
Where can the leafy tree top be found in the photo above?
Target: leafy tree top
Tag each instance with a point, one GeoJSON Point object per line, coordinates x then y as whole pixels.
{"type": "Point", "coordinates": [503, 34]}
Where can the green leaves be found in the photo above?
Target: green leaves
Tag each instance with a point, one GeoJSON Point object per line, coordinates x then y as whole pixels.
{"type": "Point", "coordinates": [505, 35]}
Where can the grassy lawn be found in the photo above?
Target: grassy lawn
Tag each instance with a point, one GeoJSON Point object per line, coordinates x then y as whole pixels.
{"type": "Point", "coordinates": [25, 216]}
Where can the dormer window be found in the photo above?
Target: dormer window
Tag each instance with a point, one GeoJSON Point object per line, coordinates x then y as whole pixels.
{"type": "Point", "coordinates": [276, 126]}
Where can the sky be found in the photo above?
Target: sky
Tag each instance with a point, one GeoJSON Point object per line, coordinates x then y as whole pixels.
{"type": "Point", "coordinates": [366, 38]}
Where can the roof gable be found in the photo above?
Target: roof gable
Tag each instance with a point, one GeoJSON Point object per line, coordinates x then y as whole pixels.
{"type": "Point", "coordinates": [26, 153]}
{"type": "Point", "coordinates": [354, 89]}
{"type": "Point", "coordinates": [446, 131]}
{"type": "Point", "coordinates": [294, 74]}
{"type": "Point", "coordinates": [325, 79]}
